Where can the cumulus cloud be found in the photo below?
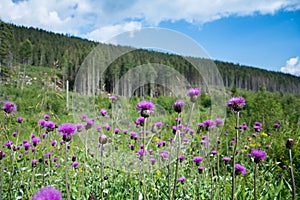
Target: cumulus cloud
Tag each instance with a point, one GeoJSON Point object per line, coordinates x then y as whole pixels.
{"type": "Point", "coordinates": [292, 66]}
{"type": "Point", "coordinates": [98, 19]}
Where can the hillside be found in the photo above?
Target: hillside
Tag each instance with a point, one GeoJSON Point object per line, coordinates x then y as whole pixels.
{"type": "Point", "coordinates": [30, 46]}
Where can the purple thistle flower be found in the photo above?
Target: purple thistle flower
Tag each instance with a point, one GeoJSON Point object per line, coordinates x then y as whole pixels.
{"type": "Point", "coordinates": [226, 160]}
{"type": "Point", "coordinates": [46, 117]}
{"type": "Point", "coordinates": [197, 160]}
{"type": "Point", "coordinates": [178, 105]}
{"type": "Point", "coordinates": [209, 124]}
{"type": "Point", "coordinates": [152, 161]}
{"type": "Point", "coordinates": [140, 121]}
{"type": "Point", "coordinates": [53, 143]}
{"type": "Point", "coordinates": [214, 152]}
{"type": "Point", "coordinates": [47, 193]}
{"type": "Point", "coordinates": [54, 159]}
{"type": "Point", "coordinates": [219, 122]}
{"type": "Point", "coordinates": [26, 146]}
{"type": "Point", "coordinates": [49, 125]}
{"type": "Point", "coordinates": [201, 169]}
{"type": "Point", "coordinates": [164, 154]}
{"type": "Point", "coordinates": [181, 179]}
{"type": "Point", "coordinates": [117, 130]}
{"type": "Point", "coordinates": [276, 125]}
{"type": "Point", "coordinates": [14, 134]}
{"type": "Point", "coordinates": [107, 127]}
{"type": "Point", "coordinates": [20, 119]}
{"type": "Point", "coordinates": [75, 164]}
{"type": "Point", "coordinates": [35, 141]}
{"type": "Point", "coordinates": [113, 98]}
{"type": "Point", "coordinates": [146, 107]}
{"type": "Point", "coordinates": [103, 112]}
{"type": "Point", "coordinates": [236, 103]}
{"type": "Point", "coordinates": [258, 155]}
{"type": "Point", "coordinates": [34, 162]}
{"type": "Point", "coordinates": [193, 93]}
{"type": "Point", "coordinates": [240, 169]}
{"type": "Point", "coordinates": [41, 122]}
{"type": "Point", "coordinates": [83, 118]}
{"type": "Point", "coordinates": [67, 130]}
{"type": "Point", "coordinates": [9, 107]}
{"type": "Point", "coordinates": [89, 123]}
{"type": "Point", "coordinates": [181, 158]}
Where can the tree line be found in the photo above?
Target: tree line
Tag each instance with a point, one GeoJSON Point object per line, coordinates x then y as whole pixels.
{"type": "Point", "coordinates": [32, 46]}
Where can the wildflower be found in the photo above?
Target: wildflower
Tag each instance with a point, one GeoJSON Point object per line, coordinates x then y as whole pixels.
{"type": "Point", "coordinates": [201, 169]}
{"type": "Point", "coordinates": [178, 105]}
{"type": "Point", "coordinates": [140, 121]}
{"type": "Point", "coordinates": [197, 160]}
{"type": "Point", "coordinates": [164, 154]}
{"type": "Point", "coordinates": [236, 103]}
{"type": "Point", "coordinates": [181, 179]}
{"type": "Point", "coordinates": [9, 107]}
{"type": "Point", "coordinates": [258, 155]}
{"type": "Point", "coordinates": [47, 193]}
{"type": "Point", "coordinates": [102, 139]}
{"type": "Point", "coordinates": [74, 158]}
{"type": "Point", "coordinates": [152, 160]}
{"type": "Point", "coordinates": [83, 118]}
{"type": "Point", "coordinates": [240, 169]}
{"type": "Point", "coordinates": [14, 134]}
{"type": "Point", "coordinates": [35, 141]}
{"type": "Point", "coordinates": [49, 125]}
{"type": "Point", "coordinates": [34, 162]}
{"type": "Point", "coordinates": [103, 112]}
{"type": "Point", "coordinates": [20, 119]}
{"type": "Point", "coordinates": [53, 143]}
{"type": "Point", "coordinates": [146, 107]}
{"type": "Point", "coordinates": [117, 130]}
{"type": "Point", "coordinates": [75, 164]}
{"type": "Point", "coordinates": [193, 93]}
{"type": "Point", "coordinates": [67, 130]}
{"type": "Point", "coordinates": [209, 123]}
{"type": "Point", "coordinates": [41, 122]}
{"type": "Point", "coordinates": [289, 143]}
{"type": "Point", "coordinates": [276, 125]}
{"type": "Point", "coordinates": [214, 152]}
{"type": "Point", "coordinates": [89, 123]}
{"type": "Point", "coordinates": [113, 98]}
{"type": "Point", "coordinates": [46, 117]}
{"type": "Point", "coordinates": [226, 160]}
{"type": "Point", "coordinates": [219, 122]}
{"type": "Point", "coordinates": [181, 158]}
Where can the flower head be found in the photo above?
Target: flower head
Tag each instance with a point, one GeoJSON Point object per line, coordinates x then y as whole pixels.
{"type": "Point", "coordinates": [258, 155]}
{"type": "Point", "coordinates": [201, 169]}
{"type": "Point", "coordinates": [181, 179]}
{"type": "Point", "coordinates": [47, 193]}
{"type": "Point", "coordinates": [178, 105]}
{"type": "Point", "coordinates": [276, 125]}
{"type": "Point", "coordinates": [193, 94]}
{"type": "Point", "coordinates": [113, 98]}
{"type": "Point", "coordinates": [67, 130]}
{"type": "Point", "coordinates": [103, 112]}
{"type": "Point", "coordinates": [197, 160]}
{"type": "Point", "coordinates": [20, 119]}
{"type": "Point", "coordinates": [240, 169]}
{"type": "Point", "coordinates": [289, 143]}
{"type": "Point", "coordinates": [226, 160]}
{"type": "Point", "coordinates": [9, 107]}
{"type": "Point", "coordinates": [236, 103]}
{"type": "Point", "coordinates": [146, 107]}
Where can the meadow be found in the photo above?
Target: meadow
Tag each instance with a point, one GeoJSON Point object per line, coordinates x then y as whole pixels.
{"type": "Point", "coordinates": [146, 148]}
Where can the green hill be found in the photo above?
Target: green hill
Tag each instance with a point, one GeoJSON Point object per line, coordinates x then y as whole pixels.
{"type": "Point", "coordinates": [31, 46]}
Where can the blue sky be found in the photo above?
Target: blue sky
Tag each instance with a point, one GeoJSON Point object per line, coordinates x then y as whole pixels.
{"type": "Point", "coordinates": [259, 33]}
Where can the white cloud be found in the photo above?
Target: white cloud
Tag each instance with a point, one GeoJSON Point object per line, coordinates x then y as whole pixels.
{"type": "Point", "coordinates": [100, 19]}
{"type": "Point", "coordinates": [292, 66]}
{"type": "Point", "coordinates": [107, 32]}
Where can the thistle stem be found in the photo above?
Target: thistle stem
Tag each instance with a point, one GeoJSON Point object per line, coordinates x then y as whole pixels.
{"type": "Point", "coordinates": [233, 157]}
{"type": "Point", "coordinates": [292, 175]}
{"type": "Point", "coordinates": [66, 167]}
{"type": "Point", "coordinates": [255, 172]}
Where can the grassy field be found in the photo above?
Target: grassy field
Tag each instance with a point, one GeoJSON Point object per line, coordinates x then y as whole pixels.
{"type": "Point", "coordinates": [106, 151]}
